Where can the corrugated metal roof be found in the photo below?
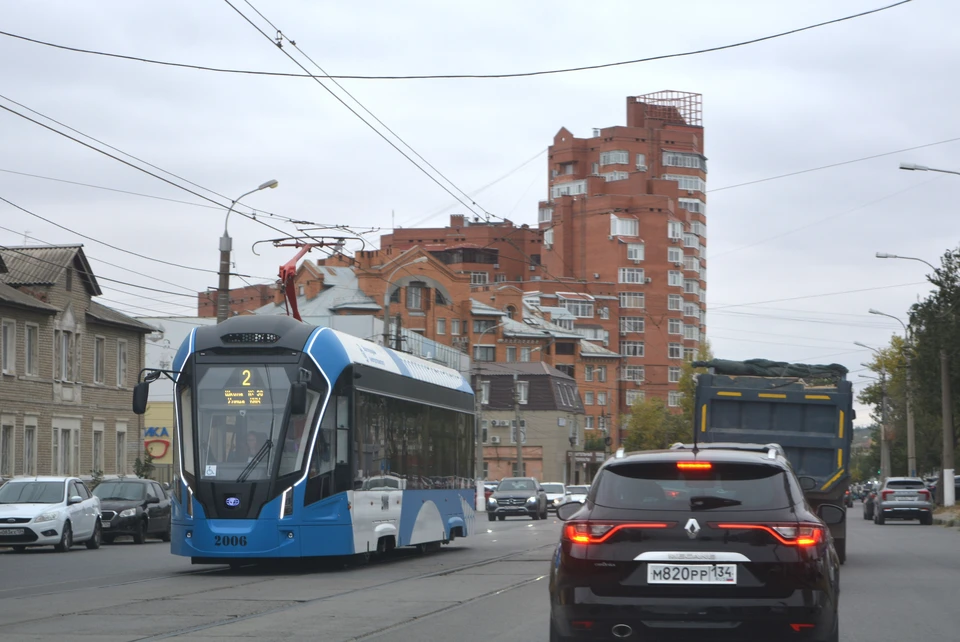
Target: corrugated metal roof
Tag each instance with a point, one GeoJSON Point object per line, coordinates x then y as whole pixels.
{"type": "Point", "coordinates": [103, 314]}
{"type": "Point", "coordinates": [589, 349]}
{"type": "Point", "coordinates": [14, 297]}
{"type": "Point", "coordinates": [31, 265]}
{"type": "Point", "coordinates": [482, 308]}
{"type": "Point", "coordinates": [340, 291]}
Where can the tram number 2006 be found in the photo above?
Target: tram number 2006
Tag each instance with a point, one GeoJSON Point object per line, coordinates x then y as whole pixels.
{"type": "Point", "coordinates": [229, 540]}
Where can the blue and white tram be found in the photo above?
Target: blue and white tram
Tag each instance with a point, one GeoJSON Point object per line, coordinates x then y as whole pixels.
{"type": "Point", "coordinates": [301, 441]}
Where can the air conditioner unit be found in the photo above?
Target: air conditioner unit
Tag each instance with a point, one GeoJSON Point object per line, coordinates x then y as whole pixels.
{"type": "Point", "coordinates": [623, 334]}
{"type": "Point", "coordinates": [648, 280]}
{"type": "Point", "coordinates": [674, 240]}
{"type": "Point", "coordinates": [496, 266]}
{"type": "Point", "coordinates": [533, 268]}
{"type": "Point", "coordinates": [679, 264]}
{"type": "Point", "coordinates": [494, 440]}
{"type": "Point", "coordinates": [636, 261]}
{"type": "Point", "coordinates": [596, 275]}
{"type": "Point", "coordinates": [641, 168]}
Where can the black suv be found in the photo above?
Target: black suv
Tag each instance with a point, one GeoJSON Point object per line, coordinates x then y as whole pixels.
{"type": "Point", "coordinates": [517, 496]}
{"type": "Point", "coordinates": [708, 544]}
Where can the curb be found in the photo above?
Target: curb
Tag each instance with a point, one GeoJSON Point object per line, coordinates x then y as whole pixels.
{"type": "Point", "coordinates": [946, 521]}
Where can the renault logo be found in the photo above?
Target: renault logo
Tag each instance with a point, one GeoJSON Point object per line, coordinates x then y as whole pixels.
{"type": "Point", "coordinates": [692, 528]}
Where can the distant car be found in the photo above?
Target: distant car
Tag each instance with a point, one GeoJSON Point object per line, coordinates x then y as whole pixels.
{"type": "Point", "coordinates": [517, 496]}
{"type": "Point", "coordinates": [48, 511]}
{"type": "Point", "coordinates": [136, 507]}
{"type": "Point", "coordinates": [555, 494]}
{"type": "Point", "coordinates": [903, 498]}
{"type": "Point", "coordinates": [735, 550]}
{"type": "Point", "coordinates": [576, 494]}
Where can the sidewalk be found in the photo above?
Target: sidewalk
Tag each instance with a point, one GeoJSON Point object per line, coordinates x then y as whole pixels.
{"type": "Point", "coordinates": [947, 516]}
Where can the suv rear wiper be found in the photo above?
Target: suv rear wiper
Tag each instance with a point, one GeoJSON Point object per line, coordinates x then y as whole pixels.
{"type": "Point", "coordinates": [706, 502]}
{"type": "Point", "coordinates": [267, 445]}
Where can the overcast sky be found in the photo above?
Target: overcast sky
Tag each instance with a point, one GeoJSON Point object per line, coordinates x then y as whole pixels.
{"type": "Point", "coordinates": [863, 87]}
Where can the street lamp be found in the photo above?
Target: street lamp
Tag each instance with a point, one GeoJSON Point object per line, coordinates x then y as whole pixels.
{"type": "Point", "coordinates": [911, 426]}
{"type": "Point", "coordinates": [884, 442]}
{"type": "Point", "coordinates": [885, 255]}
{"type": "Point", "coordinates": [913, 167]}
{"type": "Point", "coordinates": [226, 246]}
{"type": "Point", "coordinates": [386, 299]}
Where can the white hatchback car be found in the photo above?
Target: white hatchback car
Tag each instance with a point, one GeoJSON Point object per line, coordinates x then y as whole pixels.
{"type": "Point", "coordinates": [45, 511]}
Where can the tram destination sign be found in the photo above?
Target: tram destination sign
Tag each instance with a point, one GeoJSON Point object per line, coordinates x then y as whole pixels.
{"type": "Point", "coordinates": [243, 396]}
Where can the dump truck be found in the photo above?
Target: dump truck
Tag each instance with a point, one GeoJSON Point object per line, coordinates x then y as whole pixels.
{"type": "Point", "coordinates": [805, 409]}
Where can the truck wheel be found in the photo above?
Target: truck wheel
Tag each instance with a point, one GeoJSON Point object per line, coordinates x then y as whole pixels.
{"type": "Point", "coordinates": [841, 546]}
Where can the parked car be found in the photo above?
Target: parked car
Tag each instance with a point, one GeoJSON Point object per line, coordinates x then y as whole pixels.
{"type": "Point", "coordinates": [517, 496]}
{"type": "Point", "coordinates": [903, 498]}
{"type": "Point", "coordinates": [737, 549]}
{"type": "Point", "coordinates": [136, 507]}
{"type": "Point", "coordinates": [555, 494]}
{"type": "Point", "coordinates": [48, 511]}
{"type": "Point", "coordinates": [576, 494]}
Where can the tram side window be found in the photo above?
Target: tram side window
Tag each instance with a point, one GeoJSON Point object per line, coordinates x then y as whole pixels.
{"type": "Point", "coordinates": [320, 482]}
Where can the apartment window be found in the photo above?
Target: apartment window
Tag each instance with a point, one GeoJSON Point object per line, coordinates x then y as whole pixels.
{"type": "Point", "coordinates": [691, 332]}
{"type": "Point", "coordinates": [486, 470]}
{"type": "Point", "coordinates": [631, 275]}
{"type": "Point", "coordinates": [588, 398]}
{"type": "Point", "coordinates": [632, 397]}
{"type": "Point", "coordinates": [8, 346]}
{"type": "Point", "coordinates": [524, 354]}
{"type": "Point", "coordinates": [698, 228]}
{"type": "Point", "coordinates": [641, 162]}
{"type": "Point", "coordinates": [631, 348]}
{"type": "Point", "coordinates": [673, 398]}
{"type": "Point", "coordinates": [674, 326]}
{"type": "Point", "coordinates": [588, 373]}
{"type": "Point", "coordinates": [485, 392]}
{"type": "Point", "coordinates": [631, 324]}
{"type": "Point", "coordinates": [690, 183]}
{"type": "Point", "coordinates": [518, 473]}
{"type": "Point", "coordinates": [601, 373]}
{"type": "Point", "coordinates": [674, 230]}
{"type": "Point", "coordinates": [694, 205]}
{"type": "Point", "coordinates": [511, 354]}
{"type": "Point", "coordinates": [674, 255]}
{"type": "Point", "coordinates": [99, 356]}
{"type": "Point", "coordinates": [579, 309]}
{"type": "Point", "coordinates": [601, 399]}
{"type": "Point", "coordinates": [573, 188]}
{"type": "Point", "coordinates": [121, 363]}
{"type": "Point", "coordinates": [635, 251]}
{"type": "Point", "coordinates": [588, 423]}
{"type": "Point", "coordinates": [691, 264]}
{"type": "Point", "coordinates": [633, 373]}
{"type": "Point", "coordinates": [438, 297]}
{"type": "Point", "coordinates": [624, 226]}
{"type": "Point", "coordinates": [414, 297]}
{"type": "Point", "coordinates": [499, 277]}
{"type": "Point", "coordinates": [691, 286]}
{"type": "Point", "coordinates": [484, 353]}
{"type": "Point", "coordinates": [98, 427]}
{"type": "Point", "coordinates": [615, 157]}
{"type": "Point", "coordinates": [632, 300]}
{"type": "Point", "coordinates": [691, 240]}
{"type": "Point", "coordinates": [675, 277]}
{"type": "Point", "coordinates": [455, 327]}
{"type": "Point", "coordinates": [523, 391]}
{"type": "Point", "coordinates": [615, 176]}
{"type": "Point", "coordinates": [691, 310]}
{"type": "Point", "coordinates": [680, 159]}
{"type": "Point", "coordinates": [674, 302]}
{"type": "Point", "coordinates": [7, 426]}
{"type": "Point", "coordinates": [483, 325]}
{"type": "Point", "coordinates": [394, 296]}
{"type": "Point", "coordinates": [674, 350]}
{"type": "Point", "coordinates": [121, 448]}
{"type": "Point", "coordinates": [689, 354]}
{"type": "Point", "coordinates": [484, 435]}
{"type": "Point", "coordinates": [478, 278]}
{"type": "Point", "coordinates": [673, 373]}
{"type": "Point", "coordinates": [66, 450]}
{"type": "Point", "coordinates": [567, 168]}
{"type": "Point", "coordinates": [29, 445]}
{"type": "Point", "coordinates": [548, 238]}
{"type": "Point", "coordinates": [545, 215]}
{"type": "Point", "coordinates": [441, 326]}
{"type": "Point", "coordinates": [33, 349]}
{"type": "Point", "coordinates": [604, 313]}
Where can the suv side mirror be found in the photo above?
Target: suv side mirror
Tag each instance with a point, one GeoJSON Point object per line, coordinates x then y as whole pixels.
{"type": "Point", "coordinates": [831, 515]}
{"type": "Point", "coordinates": [807, 483]}
{"type": "Point", "coordinates": [76, 499]}
{"type": "Point", "coordinates": [568, 510]}
{"type": "Point", "coordinates": [153, 500]}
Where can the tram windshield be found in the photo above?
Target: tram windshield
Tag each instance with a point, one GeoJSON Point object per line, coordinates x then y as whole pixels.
{"type": "Point", "coordinates": [240, 433]}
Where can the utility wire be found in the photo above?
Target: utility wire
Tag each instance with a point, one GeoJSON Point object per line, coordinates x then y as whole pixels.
{"type": "Point", "coordinates": [468, 76]}
{"type": "Point", "coordinates": [814, 296]}
{"type": "Point", "coordinates": [278, 43]}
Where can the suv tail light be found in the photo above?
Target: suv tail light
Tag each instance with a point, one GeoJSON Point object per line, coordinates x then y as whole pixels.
{"type": "Point", "coordinates": [925, 494]}
{"type": "Point", "coordinates": [800, 535]}
{"type": "Point", "coordinates": [599, 532]}
{"type": "Point", "coordinates": [885, 493]}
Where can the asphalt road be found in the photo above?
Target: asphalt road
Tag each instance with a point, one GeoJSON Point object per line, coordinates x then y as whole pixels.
{"type": "Point", "coordinates": [899, 584]}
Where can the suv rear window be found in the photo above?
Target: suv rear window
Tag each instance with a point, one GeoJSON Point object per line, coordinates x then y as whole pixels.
{"type": "Point", "coordinates": [662, 486]}
{"type": "Point", "coordinates": [905, 483]}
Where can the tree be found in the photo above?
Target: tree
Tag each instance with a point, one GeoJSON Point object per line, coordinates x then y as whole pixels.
{"type": "Point", "coordinates": [651, 426]}
{"type": "Point", "coordinates": [143, 466]}
{"type": "Point", "coordinates": [688, 382]}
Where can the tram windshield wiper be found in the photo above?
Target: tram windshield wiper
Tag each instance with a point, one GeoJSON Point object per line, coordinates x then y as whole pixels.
{"type": "Point", "coordinates": [264, 449]}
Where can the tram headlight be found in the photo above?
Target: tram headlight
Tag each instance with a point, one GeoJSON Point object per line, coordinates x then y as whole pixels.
{"type": "Point", "coordinates": [286, 503]}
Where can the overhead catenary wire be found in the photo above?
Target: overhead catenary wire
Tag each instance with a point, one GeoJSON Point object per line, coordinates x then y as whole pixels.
{"type": "Point", "coordinates": [525, 74]}
{"type": "Point", "coordinates": [822, 294]}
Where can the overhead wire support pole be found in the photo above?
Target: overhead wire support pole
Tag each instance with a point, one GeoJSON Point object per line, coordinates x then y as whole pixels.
{"type": "Point", "coordinates": [519, 433]}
